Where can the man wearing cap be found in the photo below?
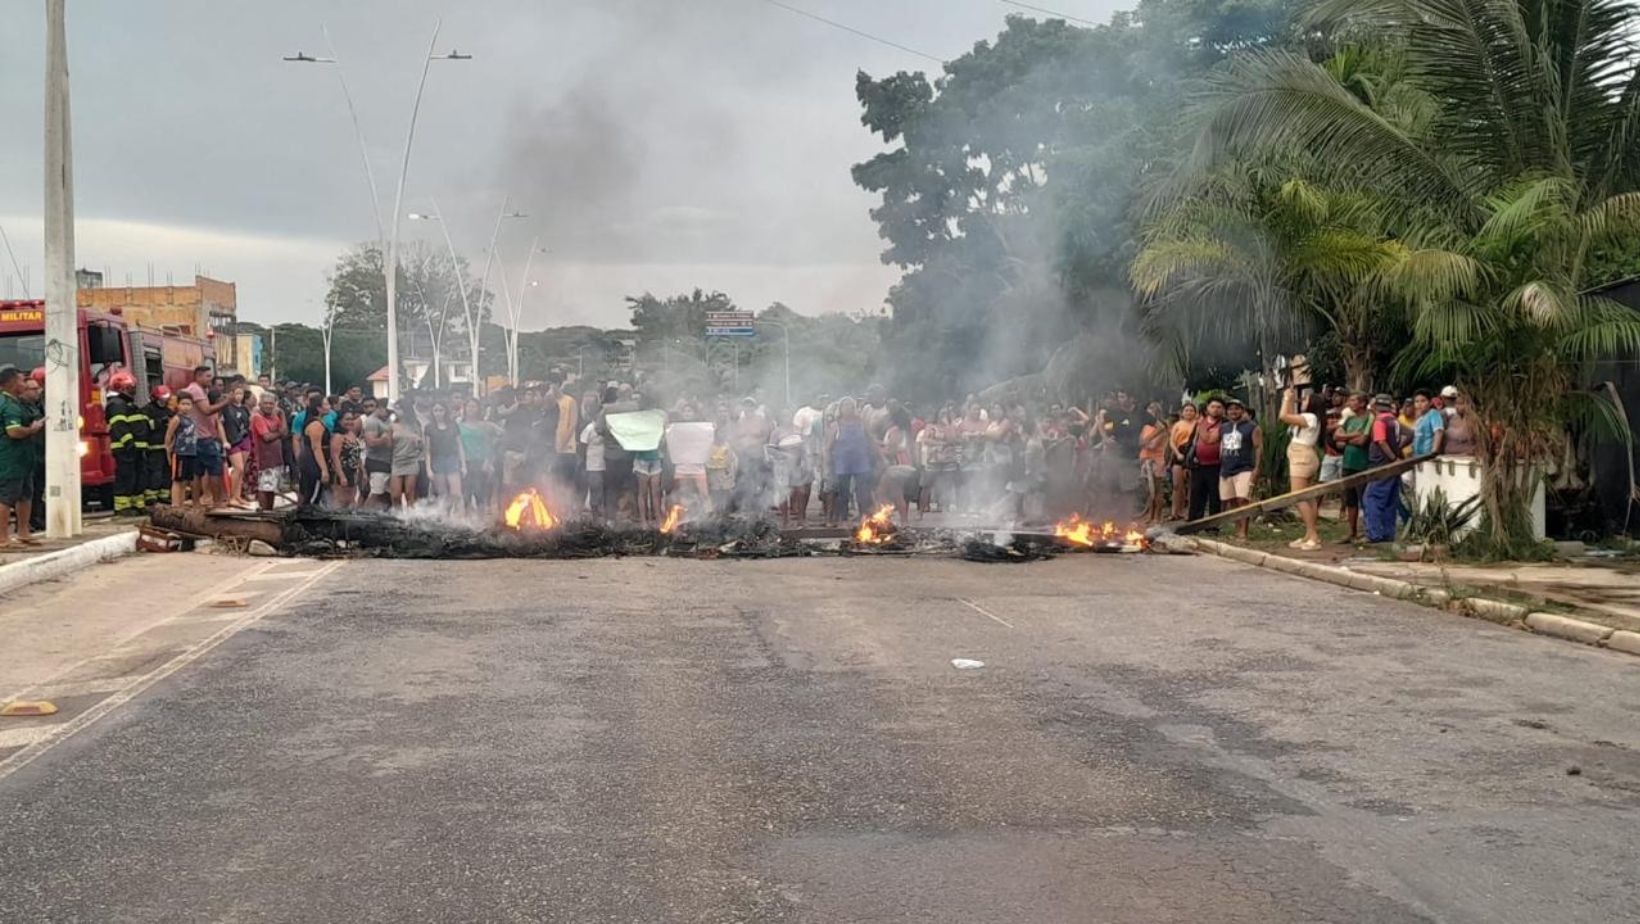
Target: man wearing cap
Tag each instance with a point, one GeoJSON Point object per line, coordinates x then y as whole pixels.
{"type": "Point", "coordinates": [1447, 401]}
{"type": "Point", "coordinates": [1241, 446]}
{"type": "Point", "coordinates": [1381, 497]}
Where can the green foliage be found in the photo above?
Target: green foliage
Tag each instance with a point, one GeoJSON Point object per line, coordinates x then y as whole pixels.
{"type": "Point", "coordinates": [297, 353]}
{"type": "Point", "coordinates": [1437, 521]}
{"type": "Point", "coordinates": [428, 293]}
{"type": "Point", "coordinates": [1007, 193]}
{"type": "Point", "coordinates": [1508, 173]}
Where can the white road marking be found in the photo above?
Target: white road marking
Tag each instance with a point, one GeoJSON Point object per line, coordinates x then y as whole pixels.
{"type": "Point", "coordinates": [984, 612]}
{"type": "Point", "coordinates": [280, 575]}
{"type": "Point", "coordinates": [138, 684]}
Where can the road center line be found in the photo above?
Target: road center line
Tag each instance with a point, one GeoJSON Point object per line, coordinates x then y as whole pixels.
{"type": "Point", "coordinates": [984, 612]}
{"type": "Point", "coordinates": [140, 683]}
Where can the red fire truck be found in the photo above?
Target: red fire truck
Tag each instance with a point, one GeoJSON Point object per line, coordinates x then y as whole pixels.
{"type": "Point", "coordinates": [107, 343]}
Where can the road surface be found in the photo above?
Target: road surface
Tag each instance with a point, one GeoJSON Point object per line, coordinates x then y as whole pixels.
{"type": "Point", "coordinates": [1151, 739]}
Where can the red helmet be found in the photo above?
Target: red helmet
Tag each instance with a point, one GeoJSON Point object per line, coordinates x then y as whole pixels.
{"type": "Point", "coordinates": [39, 376]}
{"type": "Point", "coordinates": [159, 393]}
{"type": "Point", "coordinates": [122, 382]}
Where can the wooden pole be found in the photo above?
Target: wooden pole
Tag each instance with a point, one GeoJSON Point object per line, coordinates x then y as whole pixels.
{"type": "Point", "coordinates": [1313, 492]}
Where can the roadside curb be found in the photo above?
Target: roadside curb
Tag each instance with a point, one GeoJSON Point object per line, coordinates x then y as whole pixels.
{"type": "Point", "coordinates": [64, 561]}
{"type": "Point", "coordinates": [1504, 614]}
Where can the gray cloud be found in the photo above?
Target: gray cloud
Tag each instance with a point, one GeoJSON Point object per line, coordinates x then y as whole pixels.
{"type": "Point", "coordinates": [650, 140]}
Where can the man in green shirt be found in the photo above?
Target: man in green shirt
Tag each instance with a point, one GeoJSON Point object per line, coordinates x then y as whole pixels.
{"type": "Point", "coordinates": [17, 430]}
{"type": "Point", "coordinates": [1352, 437]}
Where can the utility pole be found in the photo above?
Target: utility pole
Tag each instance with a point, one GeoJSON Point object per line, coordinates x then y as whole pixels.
{"type": "Point", "coordinates": [62, 311]}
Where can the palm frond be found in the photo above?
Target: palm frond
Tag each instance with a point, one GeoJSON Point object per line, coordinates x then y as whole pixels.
{"type": "Point", "coordinates": [1542, 303]}
{"type": "Point", "coordinates": [1271, 101]}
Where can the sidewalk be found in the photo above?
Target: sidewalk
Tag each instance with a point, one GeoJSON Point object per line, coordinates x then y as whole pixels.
{"type": "Point", "coordinates": [1597, 589]}
{"type": "Point", "coordinates": [52, 558]}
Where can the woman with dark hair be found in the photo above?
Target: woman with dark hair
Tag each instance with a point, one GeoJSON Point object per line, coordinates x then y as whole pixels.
{"type": "Point", "coordinates": [446, 461]}
{"type": "Point", "coordinates": [314, 458]}
{"type": "Point", "coordinates": [1304, 457]}
{"type": "Point", "coordinates": [236, 429]}
{"type": "Point", "coordinates": [1178, 454]}
{"type": "Point", "coordinates": [346, 461]}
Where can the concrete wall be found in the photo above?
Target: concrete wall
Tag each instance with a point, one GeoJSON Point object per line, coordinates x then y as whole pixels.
{"type": "Point", "coordinates": [1459, 477]}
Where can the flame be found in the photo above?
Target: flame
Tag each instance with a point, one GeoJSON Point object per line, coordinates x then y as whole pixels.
{"type": "Point", "coordinates": [529, 511]}
{"type": "Point", "coordinates": [1078, 531]}
{"type": "Point", "coordinates": [672, 518]}
{"type": "Point", "coordinates": [1075, 530]}
{"type": "Point", "coordinates": [877, 528]}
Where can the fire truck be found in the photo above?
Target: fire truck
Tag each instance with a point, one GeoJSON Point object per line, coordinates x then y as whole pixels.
{"type": "Point", "coordinates": [107, 343]}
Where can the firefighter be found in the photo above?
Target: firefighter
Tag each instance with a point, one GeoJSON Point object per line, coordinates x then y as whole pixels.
{"type": "Point", "coordinates": [128, 429]}
{"type": "Point", "coordinates": [157, 482]}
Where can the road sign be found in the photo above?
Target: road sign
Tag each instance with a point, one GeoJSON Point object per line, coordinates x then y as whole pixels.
{"type": "Point", "coordinates": [730, 324]}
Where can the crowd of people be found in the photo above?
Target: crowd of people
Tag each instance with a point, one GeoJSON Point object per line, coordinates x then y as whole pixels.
{"type": "Point", "coordinates": [239, 443]}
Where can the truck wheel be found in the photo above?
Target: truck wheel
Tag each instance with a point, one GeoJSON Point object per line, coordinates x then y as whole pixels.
{"type": "Point", "coordinates": [99, 498]}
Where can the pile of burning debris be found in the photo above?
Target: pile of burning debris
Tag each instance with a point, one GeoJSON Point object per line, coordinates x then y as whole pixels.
{"type": "Point", "coordinates": [528, 529]}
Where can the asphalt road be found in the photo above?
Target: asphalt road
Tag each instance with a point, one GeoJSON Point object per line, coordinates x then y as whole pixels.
{"type": "Point", "coordinates": [1151, 740]}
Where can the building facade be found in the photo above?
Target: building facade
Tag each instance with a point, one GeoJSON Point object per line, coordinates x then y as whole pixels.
{"type": "Point", "coordinates": [208, 309]}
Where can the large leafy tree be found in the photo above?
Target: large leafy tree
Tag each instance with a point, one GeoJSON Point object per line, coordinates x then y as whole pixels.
{"type": "Point", "coordinates": [1009, 179]}
{"type": "Point", "coordinates": [1526, 177]}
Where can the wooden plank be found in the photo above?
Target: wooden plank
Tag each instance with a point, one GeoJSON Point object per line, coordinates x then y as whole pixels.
{"type": "Point", "coordinates": [1313, 492]}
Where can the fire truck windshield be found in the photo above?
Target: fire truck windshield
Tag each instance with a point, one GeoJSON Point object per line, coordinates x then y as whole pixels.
{"type": "Point", "coordinates": [25, 351]}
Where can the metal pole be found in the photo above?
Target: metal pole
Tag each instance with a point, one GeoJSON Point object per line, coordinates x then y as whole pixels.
{"type": "Point", "coordinates": [62, 312]}
{"type": "Point", "coordinates": [461, 283]}
{"type": "Point", "coordinates": [517, 310]}
{"type": "Point", "coordinates": [391, 268]}
{"type": "Point", "coordinates": [483, 281]}
{"type": "Point", "coordinates": [329, 331]}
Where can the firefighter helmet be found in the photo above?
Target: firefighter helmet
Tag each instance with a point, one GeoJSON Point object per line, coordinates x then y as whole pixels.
{"type": "Point", "coordinates": [159, 393]}
{"type": "Point", "coordinates": [123, 382]}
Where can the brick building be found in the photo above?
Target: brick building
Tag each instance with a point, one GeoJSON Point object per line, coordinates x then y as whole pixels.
{"type": "Point", "coordinates": [208, 308]}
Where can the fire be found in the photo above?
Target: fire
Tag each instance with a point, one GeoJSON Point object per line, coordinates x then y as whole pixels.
{"type": "Point", "coordinates": [672, 518]}
{"type": "Point", "coordinates": [877, 528]}
{"type": "Point", "coordinates": [1078, 531]}
{"type": "Point", "coordinates": [529, 511]}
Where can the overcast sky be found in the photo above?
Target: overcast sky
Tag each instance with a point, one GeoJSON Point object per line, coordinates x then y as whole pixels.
{"type": "Point", "coordinates": [657, 145]}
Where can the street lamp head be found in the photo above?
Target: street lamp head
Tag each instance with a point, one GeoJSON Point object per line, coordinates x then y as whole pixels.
{"type": "Point", "coordinates": [515, 215]}
{"type": "Point", "coordinates": [417, 216]}
{"type": "Point", "coordinates": [304, 58]}
{"type": "Point", "coordinates": [453, 55]}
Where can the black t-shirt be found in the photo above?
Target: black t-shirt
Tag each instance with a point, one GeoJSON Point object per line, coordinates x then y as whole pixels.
{"type": "Point", "coordinates": [516, 427]}
{"type": "Point", "coordinates": [1124, 429]}
{"type": "Point", "coordinates": [236, 421]}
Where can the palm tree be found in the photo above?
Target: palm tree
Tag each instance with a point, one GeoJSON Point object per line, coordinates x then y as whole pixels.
{"type": "Point", "coordinates": [1256, 248]}
{"type": "Point", "coordinates": [1529, 164]}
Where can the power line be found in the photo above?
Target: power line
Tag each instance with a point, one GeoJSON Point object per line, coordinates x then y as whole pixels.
{"type": "Point", "coordinates": [1040, 9]}
{"type": "Point", "coordinates": [865, 35]}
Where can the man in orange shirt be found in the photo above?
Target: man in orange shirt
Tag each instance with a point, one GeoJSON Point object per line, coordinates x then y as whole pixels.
{"type": "Point", "coordinates": [565, 459]}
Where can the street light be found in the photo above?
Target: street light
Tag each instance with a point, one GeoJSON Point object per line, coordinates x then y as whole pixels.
{"type": "Point", "coordinates": [484, 278]}
{"type": "Point", "coordinates": [515, 309]}
{"type": "Point", "coordinates": [390, 265]}
{"type": "Point", "coordinates": [461, 285]}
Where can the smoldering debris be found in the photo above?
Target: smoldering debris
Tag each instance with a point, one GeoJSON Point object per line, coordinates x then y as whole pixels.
{"type": "Point", "coordinates": [321, 533]}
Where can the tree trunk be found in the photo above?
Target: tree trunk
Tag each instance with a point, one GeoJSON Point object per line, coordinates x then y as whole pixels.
{"type": "Point", "coordinates": [1357, 366]}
